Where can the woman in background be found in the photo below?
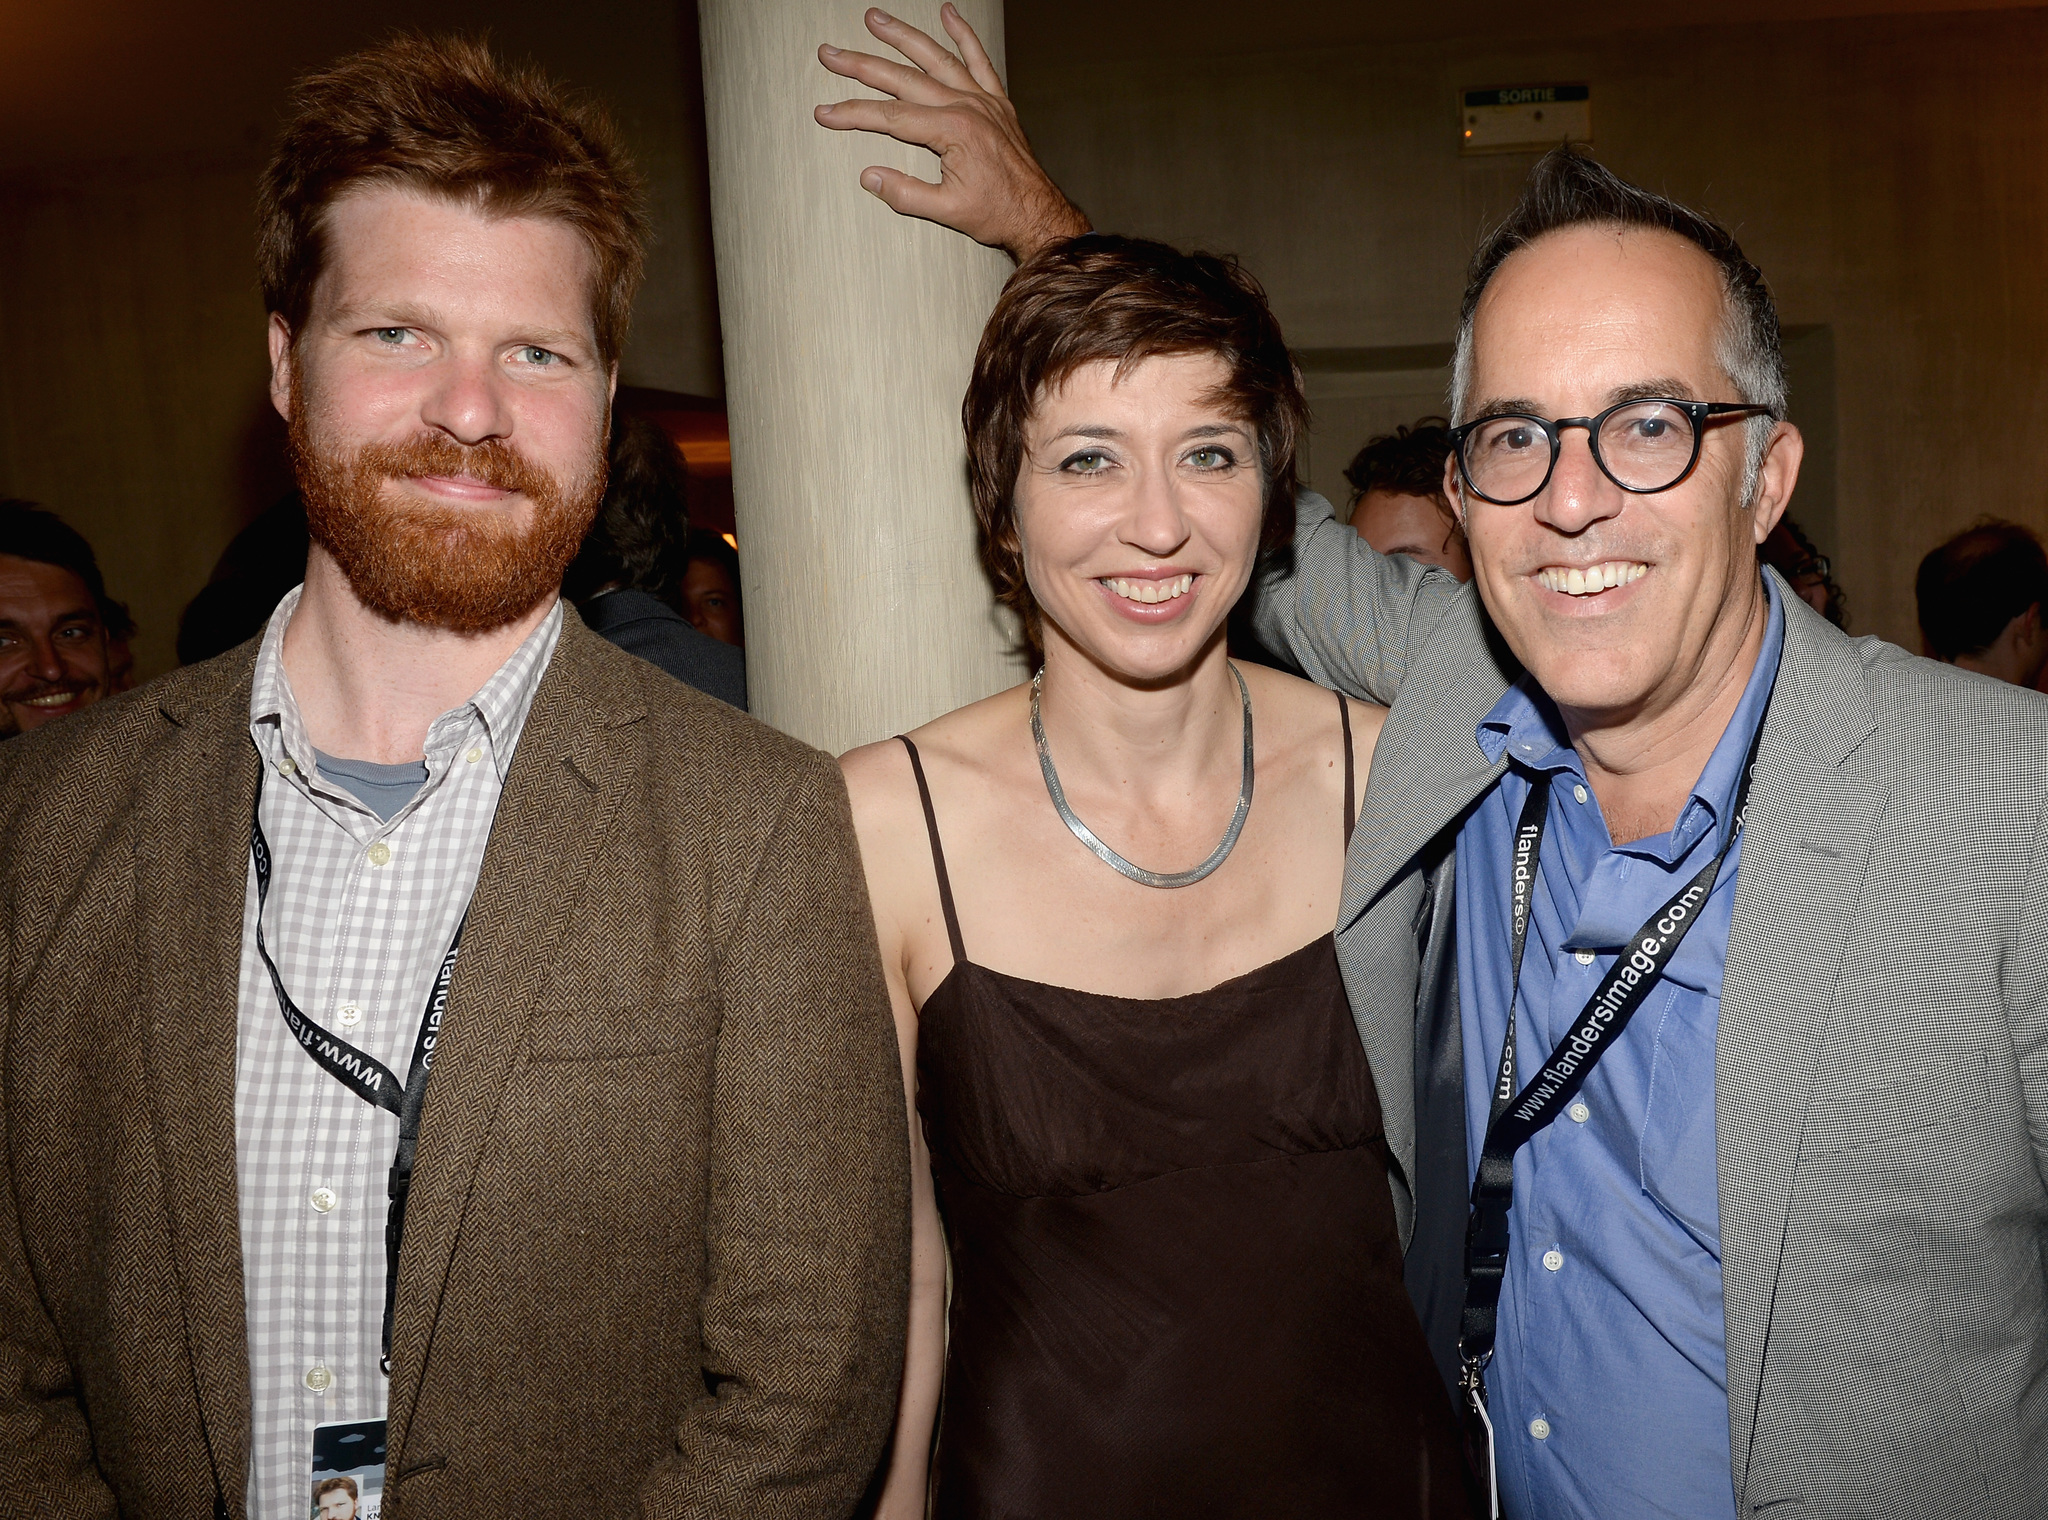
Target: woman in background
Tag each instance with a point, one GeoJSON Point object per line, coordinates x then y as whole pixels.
{"type": "Point", "coordinates": [1149, 1132]}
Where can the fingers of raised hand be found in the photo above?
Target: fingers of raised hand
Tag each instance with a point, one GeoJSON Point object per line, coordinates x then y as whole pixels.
{"type": "Point", "coordinates": [972, 53]}
{"type": "Point", "coordinates": [903, 193]}
{"type": "Point", "coordinates": [888, 76]}
{"type": "Point", "coordinates": [922, 49]}
{"type": "Point", "coordinates": [922, 126]}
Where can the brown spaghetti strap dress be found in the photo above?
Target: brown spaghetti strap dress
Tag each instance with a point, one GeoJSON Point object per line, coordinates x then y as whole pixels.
{"type": "Point", "coordinates": [1176, 1276]}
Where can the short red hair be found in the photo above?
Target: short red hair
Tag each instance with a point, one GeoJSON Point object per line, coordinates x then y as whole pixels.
{"type": "Point", "coordinates": [440, 115]}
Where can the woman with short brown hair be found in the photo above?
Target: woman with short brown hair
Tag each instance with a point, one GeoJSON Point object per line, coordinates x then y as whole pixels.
{"type": "Point", "coordinates": [1148, 1123]}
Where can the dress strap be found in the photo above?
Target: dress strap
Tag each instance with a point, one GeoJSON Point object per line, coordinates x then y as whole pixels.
{"type": "Point", "coordinates": [931, 824]}
{"type": "Point", "coordinates": [1350, 782]}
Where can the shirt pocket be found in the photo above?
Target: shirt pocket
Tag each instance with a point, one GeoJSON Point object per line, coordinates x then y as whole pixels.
{"type": "Point", "coordinates": [1676, 1155]}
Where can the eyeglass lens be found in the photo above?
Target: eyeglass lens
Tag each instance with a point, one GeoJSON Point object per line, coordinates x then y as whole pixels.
{"type": "Point", "coordinates": [1644, 446]}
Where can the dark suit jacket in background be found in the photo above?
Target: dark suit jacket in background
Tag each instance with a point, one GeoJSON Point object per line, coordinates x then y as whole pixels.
{"type": "Point", "coordinates": [656, 1255]}
{"type": "Point", "coordinates": [647, 626]}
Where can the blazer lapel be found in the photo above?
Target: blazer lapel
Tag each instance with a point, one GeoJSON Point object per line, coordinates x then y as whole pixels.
{"type": "Point", "coordinates": [192, 864]}
{"type": "Point", "coordinates": [1814, 814]}
{"type": "Point", "coordinates": [567, 779]}
{"type": "Point", "coordinates": [1426, 769]}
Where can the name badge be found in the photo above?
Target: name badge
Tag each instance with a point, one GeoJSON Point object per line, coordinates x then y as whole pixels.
{"type": "Point", "coordinates": [348, 1470]}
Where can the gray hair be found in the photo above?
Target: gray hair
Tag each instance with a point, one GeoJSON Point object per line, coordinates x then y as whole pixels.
{"type": "Point", "coordinates": [1568, 188]}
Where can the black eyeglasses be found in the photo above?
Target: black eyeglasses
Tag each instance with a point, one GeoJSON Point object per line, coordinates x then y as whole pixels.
{"type": "Point", "coordinates": [1642, 446]}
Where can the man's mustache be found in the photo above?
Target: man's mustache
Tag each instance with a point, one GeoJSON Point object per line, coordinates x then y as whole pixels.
{"type": "Point", "coordinates": [493, 462]}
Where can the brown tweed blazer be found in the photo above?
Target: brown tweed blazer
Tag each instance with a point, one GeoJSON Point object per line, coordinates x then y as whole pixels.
{"type": "Point", "coordinates": [655, 1259]}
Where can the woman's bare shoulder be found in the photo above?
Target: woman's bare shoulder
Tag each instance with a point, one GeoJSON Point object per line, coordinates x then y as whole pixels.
{"type": "Point", "coordinates": [881, 783]}
{"type": "Point", "coordinates": [1304, 708]}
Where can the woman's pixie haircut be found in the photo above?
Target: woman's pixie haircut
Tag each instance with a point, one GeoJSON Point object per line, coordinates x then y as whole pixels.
{"type": "Point", "coordinates": [1099, 297]}
{"type": "Point", "coordinates": [440, 115]}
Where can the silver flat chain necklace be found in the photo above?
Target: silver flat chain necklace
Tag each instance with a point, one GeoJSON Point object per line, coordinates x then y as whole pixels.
{"type": "Point", "coordinates": [1110, 857]}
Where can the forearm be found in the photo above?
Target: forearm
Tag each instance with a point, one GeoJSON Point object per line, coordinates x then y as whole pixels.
{"type": "Point", "coordinates": [807, 1234]}
{"type": "Point", "coordinates": [924, 1367]}
{"type": "Point", "coordinates": [1350, 617]}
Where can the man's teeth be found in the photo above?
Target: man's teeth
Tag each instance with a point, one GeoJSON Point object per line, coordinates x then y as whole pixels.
{"type": "Point", "coordinates": [1150, 591]}
{"type": "Point", "coordinates": [1576, 582]}
{"type": "Point", "coordinates": [49, 699]}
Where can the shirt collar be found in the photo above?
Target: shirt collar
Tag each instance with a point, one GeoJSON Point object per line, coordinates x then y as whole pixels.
{"type": "Point", "coordinates": [1526, 727]}
{"type": "Point", "coordinates": [501, 703]}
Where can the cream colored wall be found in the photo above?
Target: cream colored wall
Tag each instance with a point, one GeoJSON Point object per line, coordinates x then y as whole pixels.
{"type": "Point", "coordinates": [1887, 174]}
{"type": "Point", "coordinates": [130, 141]}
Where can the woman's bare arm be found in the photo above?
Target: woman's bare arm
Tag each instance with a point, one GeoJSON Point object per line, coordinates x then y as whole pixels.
{"type": "Point", "coordinates": [877, 782]}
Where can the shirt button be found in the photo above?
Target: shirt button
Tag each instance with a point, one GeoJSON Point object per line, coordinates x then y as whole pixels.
{"type": "Point", "coordinates": [1551, 1259]}
{"type": "Point", "coordinates": [1578, 794]}
{"type": "Point", "coordinates": [324, 1199]}
{"type": "Point", "coordinates": [380, 853]}
{"type": "Point", "coordinates": [1580, 1113]}
{"type": "Point", "coordinates": [287, 765]}
{"type": "Point", "coordinates": [475, 754]}
{"type": "Point", "coordinates": [348, 1015]}
{"type": "Point", "coordinates": [1538, 1427]}
{"type": "Point", "coordinates": [1583, 957]}
{"type": "Point", "coordinates": [318, 1378]}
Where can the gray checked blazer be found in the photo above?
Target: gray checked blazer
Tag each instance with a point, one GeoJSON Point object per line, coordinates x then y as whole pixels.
{"type": "Point", "coordinates": [1881, 1084]}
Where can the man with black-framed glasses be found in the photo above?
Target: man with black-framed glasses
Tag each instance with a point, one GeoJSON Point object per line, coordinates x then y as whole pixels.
{"type": "Point", "coordinates": [1756, 1218]}
{"type": "Point", "coordinates": [1755, 1119]}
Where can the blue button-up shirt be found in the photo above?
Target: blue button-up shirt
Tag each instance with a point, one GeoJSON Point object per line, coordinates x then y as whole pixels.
{"type": "Point", "coordinates": [1609, 1383]}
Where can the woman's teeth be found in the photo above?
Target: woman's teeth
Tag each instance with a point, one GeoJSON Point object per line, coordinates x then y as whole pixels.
{"type": "Point", "coordinates": [1575, 582]}
{"type": "Point", "coordinates": [1150, 591]}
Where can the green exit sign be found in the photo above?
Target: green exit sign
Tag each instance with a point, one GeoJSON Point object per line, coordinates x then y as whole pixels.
{"type": "Point", "coordinates": [1526, 118]}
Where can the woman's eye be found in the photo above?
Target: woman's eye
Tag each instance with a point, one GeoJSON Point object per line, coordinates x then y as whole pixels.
{"type": "Point", "coordinates": [1087, 462]}
{"type": "Point", "coordinates": [1212, 459]}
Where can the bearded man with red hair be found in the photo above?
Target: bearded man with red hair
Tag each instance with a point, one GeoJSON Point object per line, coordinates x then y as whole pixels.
{"type": "Point", "coordinates": [640, 1244]}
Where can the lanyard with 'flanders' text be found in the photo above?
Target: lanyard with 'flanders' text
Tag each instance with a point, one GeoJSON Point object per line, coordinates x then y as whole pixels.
{"type": "Point", "coordinates": [1512, 1119]}
{"type": "Point", "coordinates": [364, 1075]}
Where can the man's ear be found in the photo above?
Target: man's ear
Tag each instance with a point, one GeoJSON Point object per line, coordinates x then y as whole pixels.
{"type": "Point", "coordinates": [280, 337]}
{"type": "Point", "coordinates": [1776, 477]}
{"type": "Point", "coordinates": [1454, 492]}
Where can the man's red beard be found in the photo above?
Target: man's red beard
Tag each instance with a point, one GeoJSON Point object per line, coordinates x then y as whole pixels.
{"type": "Point", "coordinates": [464, 570]}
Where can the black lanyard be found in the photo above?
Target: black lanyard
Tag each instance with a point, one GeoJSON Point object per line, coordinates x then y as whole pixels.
{"type": "Point", "coordinates": [1513, 1119]}
{"type": "Point", "coordinates": [363, 1074]}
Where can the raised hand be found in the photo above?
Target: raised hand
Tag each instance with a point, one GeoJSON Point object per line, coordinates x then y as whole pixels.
{"type": "Point", "coordinates": [990, 186]}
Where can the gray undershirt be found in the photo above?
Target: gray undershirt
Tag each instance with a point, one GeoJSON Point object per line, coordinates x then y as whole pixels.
{"type": "Point", "coordinates": [383, 789]}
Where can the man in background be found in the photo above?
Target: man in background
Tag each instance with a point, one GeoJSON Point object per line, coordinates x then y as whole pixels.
{"type": "Point", "coordinates": [628, 579]}
{"type": "Point", "coordinates": [640, 1245]}
{"type": "Point", "coordinates": [1397, 497]}
{"type": "Point", "coordinates": [1980, 597]}
{"type": "Point", "coordinates": [61, 636]}
{"type": "Point", "coordinates": [711, 589]}
{"type": "Point", "coordinates": [259, 565]}
{"type": "Point", "coordinates": [1807, 571]}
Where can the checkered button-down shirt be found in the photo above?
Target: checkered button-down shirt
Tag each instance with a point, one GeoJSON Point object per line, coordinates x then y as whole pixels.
{"type": "Point", "coordinates": [359, 914]}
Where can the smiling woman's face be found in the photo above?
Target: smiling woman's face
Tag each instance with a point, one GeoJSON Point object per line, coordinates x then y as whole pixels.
{"type": "Point", "coordinates": [1139, 503]}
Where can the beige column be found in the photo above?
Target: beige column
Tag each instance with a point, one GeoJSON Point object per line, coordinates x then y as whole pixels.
{"type": "Point", "coordinates": [849, 336]}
